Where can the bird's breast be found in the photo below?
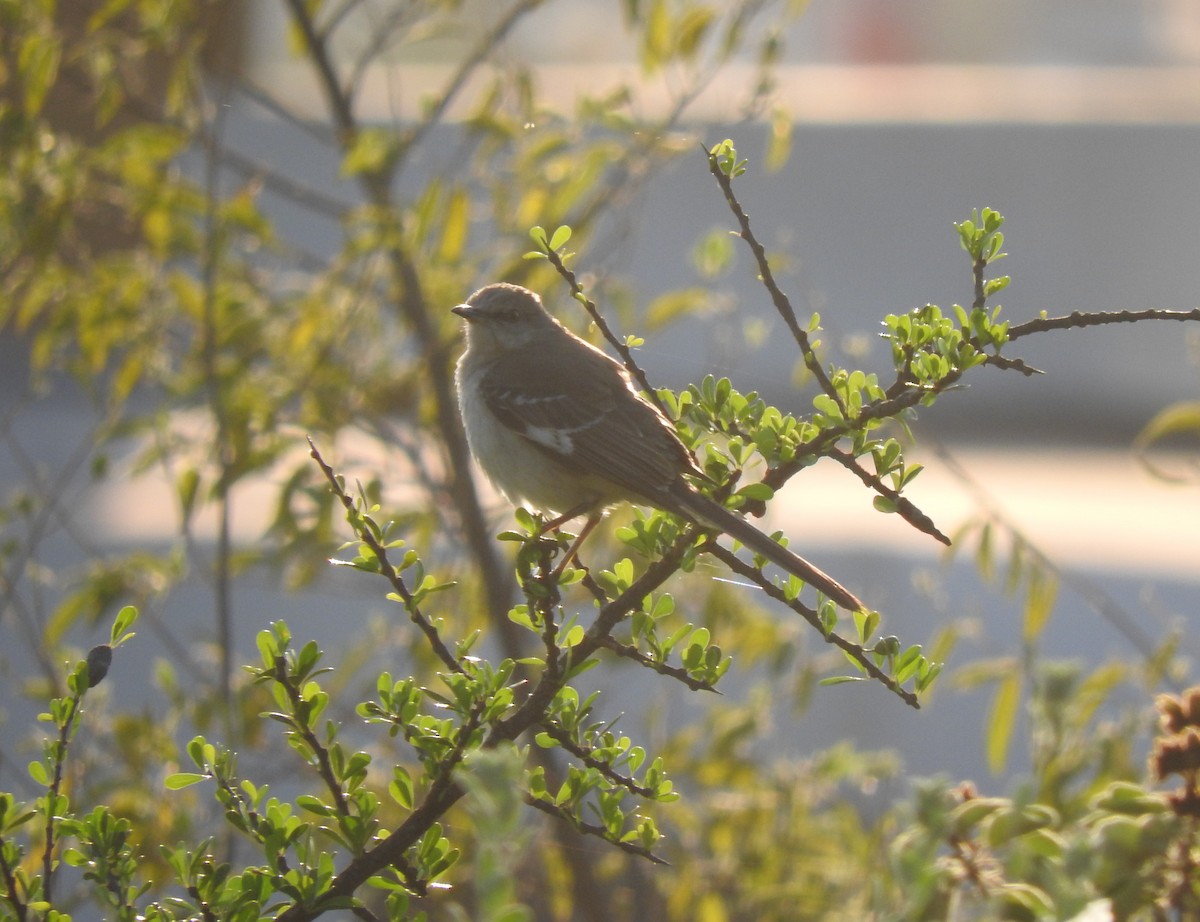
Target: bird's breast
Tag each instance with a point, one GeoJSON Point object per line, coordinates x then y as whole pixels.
{"type": "Point", "coordinates": [524, 472]}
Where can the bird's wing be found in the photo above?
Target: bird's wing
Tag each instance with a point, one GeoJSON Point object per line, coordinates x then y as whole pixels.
{"type": "Point", "coordinates": [578, 407]}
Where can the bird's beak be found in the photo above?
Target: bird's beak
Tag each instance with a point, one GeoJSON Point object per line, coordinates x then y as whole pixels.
{"type": "Point", "coordinates": [466, 311]}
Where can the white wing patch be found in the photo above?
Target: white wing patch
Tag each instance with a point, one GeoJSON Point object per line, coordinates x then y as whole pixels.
{"type": "Point", "coordinates": [557, 440]}
{"type": "Point", "coordinates": [549, 420]}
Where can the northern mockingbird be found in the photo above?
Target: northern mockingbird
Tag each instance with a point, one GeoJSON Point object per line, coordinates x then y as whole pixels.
{"type": "Point", "coordinates": [558, 425]}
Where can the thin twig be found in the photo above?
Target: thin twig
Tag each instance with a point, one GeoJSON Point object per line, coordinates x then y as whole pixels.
{"type": "Point", "coordinates": [380, 36]}
{"type": "Point", "coordinates": [606, 331]}
{"type": "Point", "coordinates": [272, 104]}
{"type": "Point", "coordinates": [545, 604]}
{"type": "Point", "coordinates": [60, 759]}
{"type": "Point", "coordinates": [206, 912]}
{"type": "Point", "coordinates": [628, 651]}
{"type": "Point", "coordinates": [387, 570]}
{"type": "Point", "coordinates": [20, 907]}
{"type": "Point", "coordinates": [584, 754]}
{"type": "Point", "coordinates": [320, 753]}
{"type": "Point", "coordinates": [1104, 604]}
{"type": "Point", "coordinates": [1007, 364]}
{"type": "Point", "coordinates": [254, 820]}
{"type": "Point", "coordinates": [335, 94]}
{"type": "Point", "coordinates": [592, 830]}
{"type": "Point", "coordinates": [778, 298]}
{"type": "Point", "coordinates": [336, 17]}
{"type": "Point", "coordinates": [903, 506]}
{"type": "Point", "coordinates": [223, 442]}
{"type": "Point", "coordinates": [855, 651]}
{"type": "Point", "coordinates": [1081, 319]}
{"type": "Point", "coordinates": [412, 305]}
{"type": "Point", "coordinates": [442, 794]}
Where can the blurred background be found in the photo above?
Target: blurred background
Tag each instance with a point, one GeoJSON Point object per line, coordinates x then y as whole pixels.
{"type": "Point", "coordinates": [1079, 121]}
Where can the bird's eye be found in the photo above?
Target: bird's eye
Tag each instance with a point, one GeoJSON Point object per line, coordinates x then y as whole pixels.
{"type": "Point", "coordinates": [511, 316]}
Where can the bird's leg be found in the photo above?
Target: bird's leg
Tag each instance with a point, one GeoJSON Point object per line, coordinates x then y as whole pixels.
{"type": "Point", "coordinates": [592, 521]}
{"type": "Point", "coordinates": [573, 513]}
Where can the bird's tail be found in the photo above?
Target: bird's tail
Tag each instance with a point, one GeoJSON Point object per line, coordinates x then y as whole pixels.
{"type": "Point", "coordinates": [711, 514]}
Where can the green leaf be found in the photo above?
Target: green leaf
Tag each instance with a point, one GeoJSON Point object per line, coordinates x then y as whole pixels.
{"type": "Point", "coordinates": [691, 28]}
{"type": "Point", "coordinates": [713, 254]}
{"type": "Point", "coordinates": [675, 304]}
{"type": "Point", "coordinates": [38, 61]}
{"type": "Point", "coordinates": [1178, 419]}
{"type": "Point", "coordinates": [1039, 603]}
{"type": "Point", "coordinates": [759, 491]}
{"type": "Point", "coordinates": [657, 31]}
{"type": "Point", "coordinates": [1002, 720]}
{"type": "Point", "coordinates": [37, 771]}
{"type": "Point", "coordinates": [125, 619]}
{"type": "Point", "coordinates": [995, 285]}
{"type": "Point", "coordinates": [314, 805]}
{"type": "Point", "coordinates": [454, 226]}
{"type": "Point", "coordinates": [372, 152]}
{"type": "Point", "coordinates": [866, 624]}
{"type": "Point", "coordinates": [561, 236]}
{"type": "Point", "coordinates": [187, 489]}
{"type": "Point", "coordinates": [180, 780]}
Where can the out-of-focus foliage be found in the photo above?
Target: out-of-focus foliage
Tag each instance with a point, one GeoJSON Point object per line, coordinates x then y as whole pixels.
{"type": "Point", "coordinates": [457, 744]}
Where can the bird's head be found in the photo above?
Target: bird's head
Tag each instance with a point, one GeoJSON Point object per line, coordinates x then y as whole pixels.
{"type": "Point", "coordinates": [503, 316]}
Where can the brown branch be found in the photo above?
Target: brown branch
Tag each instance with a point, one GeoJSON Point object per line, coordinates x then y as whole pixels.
{"type": "Point", "coordinates": [320, 753]}
{"type": "Point", "coordinates": [414, 309]}
{"type": "Point", "coordinates": [469, 64]}
{"type": "Point", "coordinates": [224, 451]}
{"type": "Point", "coordinates": [778, 298]}
{"type": "Point", "coordinates": [584, 754]}
{"type": "Point", "coordinates": [598, 318]}
{"type": "Point", "coordinates": [443, 793]}
{"type": "Point", "coordinates": [387, 570]}
{"type": "Point", "coordinates": [1080, 319]}
{"type": "Point", "coordinates": [628, 651]}
{"type": "Point", "coordinates": [1094, 595]}
{"type": "Point", "coordinates": [318, 52]}
{"type": "Point", "coordinates": [592, 830]}
{"type": "Point", "coordinates": [855, 651]}
{"type": "Point", "coordinates": [532, 710]}
{"type": "Point", "coordinates": [904, 507]}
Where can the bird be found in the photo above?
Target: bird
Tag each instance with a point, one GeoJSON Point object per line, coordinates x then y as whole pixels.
{"type": "Point", "coordinates": [558, 426]}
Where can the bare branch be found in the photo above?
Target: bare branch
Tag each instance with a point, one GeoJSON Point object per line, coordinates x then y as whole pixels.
{"type": "Point", "coordinates": [1080, 319]}
{"type": "Point", "coordinates": [778, 298]}
{"type": "Point", "coordinates": [606, 331]}
{"type": "Point", "coordinates": [470, 63]}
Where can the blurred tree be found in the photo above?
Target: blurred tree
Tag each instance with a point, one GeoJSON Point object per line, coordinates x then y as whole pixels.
{"type": "Point", "coordinates": [144, 277]}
